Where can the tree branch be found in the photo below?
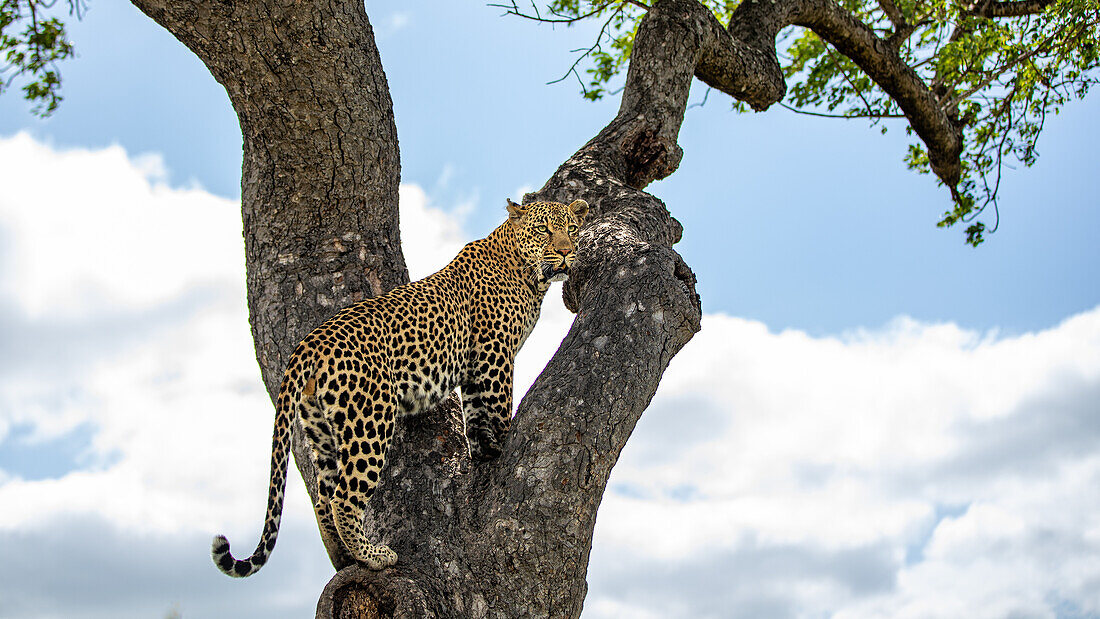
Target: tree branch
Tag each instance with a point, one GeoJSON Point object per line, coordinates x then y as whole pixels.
{"type": "Point", "coordinates": [1007, 8]}
{"type": "Point", "coordinates": [883, 65]}
{"type": "Point", "coordinates": [758, 23]}
{"type": "Point", "coordinates": [894, 14]}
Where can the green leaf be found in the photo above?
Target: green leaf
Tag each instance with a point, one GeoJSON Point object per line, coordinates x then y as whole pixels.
{"type": "Point", "coordinates": [32, 44]}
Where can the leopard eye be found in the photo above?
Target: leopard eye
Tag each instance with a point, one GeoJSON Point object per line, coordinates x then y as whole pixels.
{"type": "Point", "coordinates": [572, 230]}
{"type": "Point", "coordinates": [542, 230]}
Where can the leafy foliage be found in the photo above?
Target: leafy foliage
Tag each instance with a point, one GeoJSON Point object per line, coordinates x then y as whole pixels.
{"type": "Point", "coordinates": [998, 77]}
{"type": "Point", "coordinates": [31, 44]}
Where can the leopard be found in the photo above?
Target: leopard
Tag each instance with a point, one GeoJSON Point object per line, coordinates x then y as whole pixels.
{"type": "Point", "coordinates": [373, 363]}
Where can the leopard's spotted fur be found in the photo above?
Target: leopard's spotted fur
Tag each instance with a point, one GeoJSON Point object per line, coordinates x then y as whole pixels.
{"type": "Point", "coordinates": [401, 353]}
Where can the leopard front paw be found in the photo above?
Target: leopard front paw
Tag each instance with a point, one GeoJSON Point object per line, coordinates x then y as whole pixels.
{"type": "Point", "coordinates": [484, 445]}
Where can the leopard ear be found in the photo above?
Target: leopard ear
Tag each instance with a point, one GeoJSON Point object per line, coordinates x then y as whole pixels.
{"type": "Point", "coordinates": [580, 210]}
{"type": "Point", "coordinates": [515, 212]}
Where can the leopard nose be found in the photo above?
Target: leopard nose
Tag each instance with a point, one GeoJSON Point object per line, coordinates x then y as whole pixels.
{"type": "Point", "coordinates": [565, 252]}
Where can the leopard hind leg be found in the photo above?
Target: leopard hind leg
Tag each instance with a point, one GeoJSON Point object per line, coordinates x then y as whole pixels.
{"type": "Point", "coordinates": [363, 429]}
{"type": "Point", "coordinates": [323, 441]}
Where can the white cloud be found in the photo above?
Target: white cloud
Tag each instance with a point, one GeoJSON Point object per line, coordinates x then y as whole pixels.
{"type": "Point", "coordinates": [430, 236]}
{"type": "Point", "coordinates": [759, 444]}
{"type": "Point", "coordinates": [78, 244]}
{"type": "Point", "coordinates": [392, 24]}
{"type": "Point", "coordinates": [398, 20]}
{"type": "Point", "coordinates": [912, 470]}
{"type": "Point", "coordinates": [123, 307]}
{"type": "Point", "coordinates": [521, 191]}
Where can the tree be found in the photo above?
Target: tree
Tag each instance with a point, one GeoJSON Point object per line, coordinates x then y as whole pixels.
{"type": "Point", "coordinates": [319, 195]}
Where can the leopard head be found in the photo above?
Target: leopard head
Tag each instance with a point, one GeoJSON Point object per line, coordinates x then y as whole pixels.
{"type": "Point", "coordinates": [546, 236]}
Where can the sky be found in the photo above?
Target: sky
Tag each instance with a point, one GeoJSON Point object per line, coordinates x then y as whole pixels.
{"type": "Point", "coordinates": [876, 420]}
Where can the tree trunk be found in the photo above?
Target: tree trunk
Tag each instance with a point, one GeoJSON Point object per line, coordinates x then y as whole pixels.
{"type": "Point", "coordinates": [319, 190]}
{"type": "Point", "coordinates": [321, 168]}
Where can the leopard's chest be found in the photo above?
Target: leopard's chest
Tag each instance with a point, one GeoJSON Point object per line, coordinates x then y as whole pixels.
{"type": "Point", "coordinates": [442, 340]}
{"type": "Point", "coordinates": [529, 318]}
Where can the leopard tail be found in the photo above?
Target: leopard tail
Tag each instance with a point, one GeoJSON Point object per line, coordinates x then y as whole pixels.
{"type": "Point", "coordinates": [280, 450]}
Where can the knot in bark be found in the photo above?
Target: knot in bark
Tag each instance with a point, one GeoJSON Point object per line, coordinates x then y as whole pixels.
{"type": "Point", "coordinates": [648, 156]}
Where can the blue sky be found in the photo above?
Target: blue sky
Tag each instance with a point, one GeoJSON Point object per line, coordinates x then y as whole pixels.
{"type": "Point", "coordinates": [876, 420]}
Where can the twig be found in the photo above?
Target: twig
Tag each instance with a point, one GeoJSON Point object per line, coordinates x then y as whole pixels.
{"type": "Point", "coordinates": [704, 101]}
{"type": "Point", "coordinates": [843, 116]}
{"type": "Point", "coordinates": [595, 46]}
{"type": "Point", "coordinates": [866, 103]}
{"type": "Point", "coordinates": [514, 10]}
